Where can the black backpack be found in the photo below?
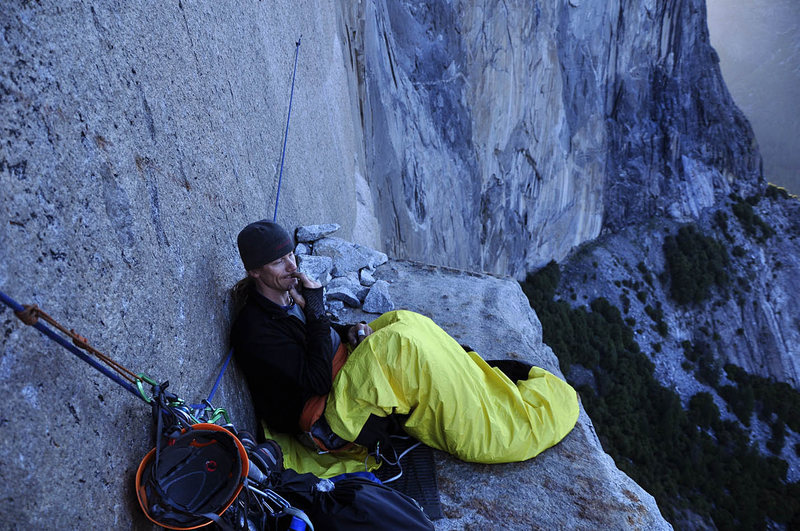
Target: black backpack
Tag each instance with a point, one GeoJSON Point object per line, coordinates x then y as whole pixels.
{"type": "Point", "coordinates": [351, 503]}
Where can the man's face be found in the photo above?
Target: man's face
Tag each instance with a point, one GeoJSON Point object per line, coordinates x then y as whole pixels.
{"type": "Point", "coordinates": [277, 275]}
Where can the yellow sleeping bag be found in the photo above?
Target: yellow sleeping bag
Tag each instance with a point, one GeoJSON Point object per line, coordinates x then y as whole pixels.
{"type": "Point", "coordinates": [455, 402]}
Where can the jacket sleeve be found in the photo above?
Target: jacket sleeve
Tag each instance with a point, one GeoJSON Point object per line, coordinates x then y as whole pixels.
{"type": "Point", "coordinates": [342, 329]}
{"type": "Point", "coordinates": [318, 375]}
{"type": "Point", "coordinates": [290, 363]}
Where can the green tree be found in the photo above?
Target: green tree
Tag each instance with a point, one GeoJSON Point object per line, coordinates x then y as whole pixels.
{"type": "Point", "coordinates": [715, 472]}
{"type": "Point", "coordinates": [694, 263]}
{"type": "Point", "coordinates": [702, 410]}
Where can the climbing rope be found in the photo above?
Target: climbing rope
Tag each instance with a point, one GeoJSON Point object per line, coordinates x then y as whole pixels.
{"type": "Point", "coordinates": [32, 315]}
{"type": "Point", "coordinates": [173, 418]}
{"type": "Point", "coordinates": [207, 402]}
{"type": "Point", "coordinates": [286, 133]}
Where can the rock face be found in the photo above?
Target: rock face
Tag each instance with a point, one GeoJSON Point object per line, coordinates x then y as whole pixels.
{"type": "Point", "coordinates": [139, 138]}
{"type": "Point", "coordinates": [538, 125]}
{"type": "Point", "coordinates": [751, 322]}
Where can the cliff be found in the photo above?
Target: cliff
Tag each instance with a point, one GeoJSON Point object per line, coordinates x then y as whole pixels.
{"type": "Point", "coordinates": [138, 138]}
{"type": "Point", "coordinates": [748, 319]}
{"type": "Point", "coordinates": [541, 124]}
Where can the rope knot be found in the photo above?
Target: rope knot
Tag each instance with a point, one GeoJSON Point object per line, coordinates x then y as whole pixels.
{"type": "Point", "coordinates": [78, 340]}
{"type": "Point", "coordinates": [29, 315]}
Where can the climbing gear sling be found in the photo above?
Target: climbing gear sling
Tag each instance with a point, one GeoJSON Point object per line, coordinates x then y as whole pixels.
{"type": "Point", "coordinates": [30, 315]}
{"type": "Point", "coordinates": [201, 473]}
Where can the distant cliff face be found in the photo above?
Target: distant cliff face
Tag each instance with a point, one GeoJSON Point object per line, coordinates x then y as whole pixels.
{"type": "Point", "coordinates": [500, 136]}
{"type": "Point", "coordinates": [751, 320]}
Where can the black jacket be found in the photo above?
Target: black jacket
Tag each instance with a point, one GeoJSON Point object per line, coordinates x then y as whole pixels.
{"type": "Point", "coordinates": [284, 361]}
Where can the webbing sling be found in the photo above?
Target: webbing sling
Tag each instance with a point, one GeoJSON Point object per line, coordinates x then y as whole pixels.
{"type": "Point", "coordinates": [132, 382]}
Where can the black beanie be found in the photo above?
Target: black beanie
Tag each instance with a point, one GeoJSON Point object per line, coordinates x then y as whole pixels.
{"type": "Point", "coordinates": [262, 242]}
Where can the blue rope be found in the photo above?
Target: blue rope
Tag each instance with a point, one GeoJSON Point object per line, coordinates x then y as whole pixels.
{"type": "Point", "coordinates": [216, 384]}
{"type": "Point", "coordinates": [219, 378]}
{"type": "Point", "coordinates": [44, 329]}
{"type": "Point", "coordinates": [286, 133]}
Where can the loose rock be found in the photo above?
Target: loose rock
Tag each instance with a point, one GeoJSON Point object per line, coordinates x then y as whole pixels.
{"type": "Point", "coordinates": [334, 307]}
{"type": "Point", "coordinates": [378, 299]}
{"type": "Point", "coordinates": [302, 249]}
{"type": "Point", "coordinates": [316, 267]}
{"type": "Point", "coordinates": [344, 289]}
{"type": "Point", "coordinates": [312, 233]}
{"type": "Point", "coordinates": [347, 256]}
{"type": "Point", "coordinates": [366, 278]}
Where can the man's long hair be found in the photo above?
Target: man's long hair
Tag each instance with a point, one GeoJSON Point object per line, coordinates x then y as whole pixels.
{"type": "Point", "coordinates": [239, 293]}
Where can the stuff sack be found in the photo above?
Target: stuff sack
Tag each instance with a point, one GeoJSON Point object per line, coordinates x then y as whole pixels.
{"type": "Point", "coordinates": [352, 503]}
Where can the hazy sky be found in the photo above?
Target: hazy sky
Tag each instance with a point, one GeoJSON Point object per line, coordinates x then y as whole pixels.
{"type": "Point", "coordinates": [758, 42]}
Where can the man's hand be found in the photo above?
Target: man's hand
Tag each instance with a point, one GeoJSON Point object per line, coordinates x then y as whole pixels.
{"type": "Point", "coordinates": [358, 332]}
{"type": "Point", "coordinates": [303, 280]}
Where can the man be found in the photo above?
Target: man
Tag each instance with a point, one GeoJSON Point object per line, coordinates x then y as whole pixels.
{"type": "Point", "coordinates": [401, 366]}
{"type": "Point", "coordinates": [283, 339]}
